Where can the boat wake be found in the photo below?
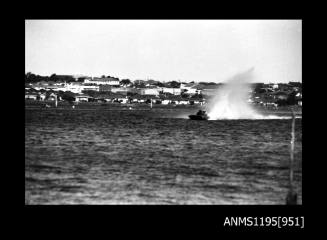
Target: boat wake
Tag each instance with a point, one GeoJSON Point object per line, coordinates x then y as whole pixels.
{"type": "Point", "coordinates": [258, 117]}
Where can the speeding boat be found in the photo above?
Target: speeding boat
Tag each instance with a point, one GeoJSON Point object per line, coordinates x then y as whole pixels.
{"type": "Point", "coordinates": [200, 115]}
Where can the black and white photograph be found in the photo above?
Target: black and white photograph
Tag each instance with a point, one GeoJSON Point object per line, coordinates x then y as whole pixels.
{"type": "Point", "coordinates": [163, 112]}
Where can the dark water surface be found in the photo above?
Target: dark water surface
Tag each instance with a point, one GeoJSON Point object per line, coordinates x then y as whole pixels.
{"type": "Point", "coordinates": [98, 156]}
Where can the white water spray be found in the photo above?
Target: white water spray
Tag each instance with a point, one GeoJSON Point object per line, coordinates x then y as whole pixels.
{"type": "Point", "coordinates": [231, 100]}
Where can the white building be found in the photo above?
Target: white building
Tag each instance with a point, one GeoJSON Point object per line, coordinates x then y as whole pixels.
{"type": "Point", "coordinates": [52, 97]}
{"type": "Point", "coordinates": [150, 91]}
{"type": "Point", "coordinates": [103, 81]}
{"type": "Point", "coordinates": [166, 101]}
{"type": "Point", "coordinates": [122, 100]}
{"type": "Point", "coordinates": [193, 91]}
{"type": "Point", "coordinates": [190, 88]}
{"type": "Point", "coordinates": [82, 98]}
{"type": "Point", "coordinates": [275, 86]}
{"type": "Point", "coordinates": [134, 100]}
{"type": "Point", "coordinates": [197, 102]}
{"type": "Point", "coordinates": [174, 91]}
{"type": "Point", "coordinates": [42, 97]}
{"type": "Point", "coordinates": [184, 102]}
{"type": "Point", "coordinates": [74, 87]}
{"type": "Point", "coordinates": [93, 88]}
{"type": "Point", "coordinates": [78, 87]}
{"type": "Point", "coordinates": [59, 83]}
{"type": "Point", "coordinates": [39, 88]}
{"type": "Point", "coordinates": [31, 96]}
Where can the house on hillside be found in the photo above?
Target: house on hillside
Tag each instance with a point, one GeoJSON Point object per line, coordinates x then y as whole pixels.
{"type": "Point", "coordinates": [60, 84]}
{"type": "Point", "coordinates": [82, 98]}
{"type": "Point", "coordinates": [42, 97]}
{"type": "Point", "coordinates": [166, 102]}
{"type": "Point", "coordinates": [184, 102]}
{"type": "Point", "coordinates": [196, 101]}
{"type": "Point", "coordinates": [174, 91]}
{"type": "Point", "coordinates": [141, 100]}
{"type": "Point", "coordinates": [31, 96]}
{"type": "Point", "coordinates": [150, 91]}
{"type": "Point", "coordinates": [52, 97]}
{"type": "Point", "coordinates": [103, 81]}
{"type": "Point", "coordinates": [178, 100]}
{"type": "Point", "coordinates": [123, 100]}
{"type": "Point", "coordinates": [90, 88]}
{"type": "Point", "coordinates": [147, 98]}
{"type": "Point", "coordinates": [190, 88]}
{"type": "Point", "coordinates": [74, 87]}
{"type": "Point", "coordinates": [298, 98]}
{"type": "Point", "coordinates": [134, 100]}
{"type": "Point", "coordinates": [270, 104]}
{"type": "Point", "coordinates": [275, 86]}
{"type": "Point", "coordinates": [192, 91]}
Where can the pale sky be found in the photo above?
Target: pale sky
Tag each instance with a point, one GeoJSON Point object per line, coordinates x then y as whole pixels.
{"type": "Point", "coordinates": [165, 50]}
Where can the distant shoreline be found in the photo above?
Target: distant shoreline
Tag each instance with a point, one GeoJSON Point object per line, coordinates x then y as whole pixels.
{"type": "Point", "coordinates": [35, 104]}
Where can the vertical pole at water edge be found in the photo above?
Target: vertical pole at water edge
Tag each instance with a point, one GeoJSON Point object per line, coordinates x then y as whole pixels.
{"type": "Point", "coordinates": [291, 198]}
{"type": "Point", "coordinates": [56, 102]}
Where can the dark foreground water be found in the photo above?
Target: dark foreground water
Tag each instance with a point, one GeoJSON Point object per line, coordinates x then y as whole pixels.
{"type": "Point", "coordinates": [85, 156]}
